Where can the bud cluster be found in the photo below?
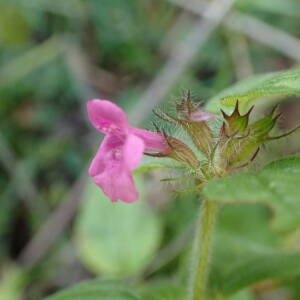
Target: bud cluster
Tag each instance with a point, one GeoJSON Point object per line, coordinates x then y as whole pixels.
{"type": "Point", "coordinates": [235, 145]}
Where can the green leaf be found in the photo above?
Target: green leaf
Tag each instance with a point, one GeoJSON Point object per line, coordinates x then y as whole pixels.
{"type": "Point", "coordinates": [150, 163]}
{"type": "Point", "coordinates": [163, 291]}
{"type": "Point", "coordinates": [247, 90]}
{"type": "Point", "coordinates": [96, 290]}
{"type": "Point", "coordinates": [277, 186]}
{"type": "Point", "coordinates": [249, 238]}
{"type": "Point", "coordinates": [149, 167]}
{"type": "Point", "coordinates": [12, 282]}
{"type": "Point", "coordinates": [270, 266]}
{"type": "Point", "coordinates": [13, 26]}
{"type": "Point", "coordinates": [238, 239]}
{"type": "Point", "coordinates": [116, 238]}
{"type": "Point", "coordinates": [242, 295]}
{"type": "Point", "coordinates": [72, 9]}
{"type": "Point", "coordinates": [243, 240]}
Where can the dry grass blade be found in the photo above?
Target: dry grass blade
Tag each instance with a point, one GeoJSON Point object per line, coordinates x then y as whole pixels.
{"type": "Point", "coordinates": [181, 57]}
{"type": "Point", "coordinates": [251, 27]}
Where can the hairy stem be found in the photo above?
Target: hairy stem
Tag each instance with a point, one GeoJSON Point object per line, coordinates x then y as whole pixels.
{"type": "Point", "coordinates": [202, 250]}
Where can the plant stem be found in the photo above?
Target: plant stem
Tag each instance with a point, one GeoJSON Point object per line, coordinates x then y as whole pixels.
{"type": "Point", "coordinates": [202, 250]}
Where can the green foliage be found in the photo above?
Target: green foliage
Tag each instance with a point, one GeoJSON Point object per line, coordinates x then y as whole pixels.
{"type": "Point", "coordinates": [14, 29]}
{"type": "Point", "coordinates": [163, 291]}
{"type": "Point", "coordinates": [12, 283]}
{"type": "Point", "coordinates": [116, 238]}
{"type": "Point", "coordinates": [242, 295]}
{"type": "Point", "coordinates": [150, 163]}
{"type": "Point", "coordinates": [96, 290]}
{"type": "Point", "coordinates": [132, 36]}
{"type": "Point", "coordinates": [115, 290]}
{"type": "Point", "coordinates": [242, 235]}
{"type": "Point", "coordinates": [246, 250]}
{"type": "Point", "coordinates": [262, 267]}
{"type": "Point", "coordinates": [239, 238]}
{"type": "Point", "coordinates": [276, 185]}
{"type": "Point", "coordinates": [30, 61]}
{"type": "Point", "coordinates": [147, 167]}
{"type": "Point", "coordinates": [245, 91]}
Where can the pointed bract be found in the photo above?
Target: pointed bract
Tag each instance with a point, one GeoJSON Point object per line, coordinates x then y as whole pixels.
{"type": "Point", "coordinates": [240, 141]}
{"type": "Point", "coordinates": [235, 124]}
{"type": "Point", "coordinates": [261, 128]}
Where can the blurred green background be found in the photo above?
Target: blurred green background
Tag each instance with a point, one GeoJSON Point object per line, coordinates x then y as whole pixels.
{"type": "Point", "coordinates": [56, 228]}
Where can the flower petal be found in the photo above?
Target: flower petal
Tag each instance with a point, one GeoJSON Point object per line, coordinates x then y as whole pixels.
{"type": "Point", "coordinates": [110, 144]}
{"type": "Point", "coordinates": [117, 184]}
{"type": "Point", "coordinates": [98, 163]}
{"type": "Point", "coordinates": [153, 141]}
{"type": "Point", "coordinates": [112, 165]}
{"type": "Point", "coordinates": [132, 151]}
{"type": "Point", "coordinates": [106, 116]}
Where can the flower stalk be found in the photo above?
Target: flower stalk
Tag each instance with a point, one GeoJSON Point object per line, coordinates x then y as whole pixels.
{"type": "Point", "coordinates": [203, 245]}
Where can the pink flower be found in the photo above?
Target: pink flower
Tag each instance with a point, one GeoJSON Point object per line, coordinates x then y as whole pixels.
{"type": "Point", "coordinates": [120, 151]}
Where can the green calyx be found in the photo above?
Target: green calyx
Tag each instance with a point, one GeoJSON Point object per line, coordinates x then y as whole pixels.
{"type": "Point", "coordinates": [235, 124]}
{"type": "Point", "coordinates": [241, 141]}
{"type": "Point", "coordinates": [177, 150]}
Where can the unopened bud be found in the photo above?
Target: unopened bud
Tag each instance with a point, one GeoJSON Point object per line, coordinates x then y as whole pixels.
{"type": "Point", "coordinates": [178, 151]}
{"type": "Point", "coordinates": [235, 124]}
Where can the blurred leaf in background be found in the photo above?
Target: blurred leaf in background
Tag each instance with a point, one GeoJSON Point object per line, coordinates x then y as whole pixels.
{"type": "Point", "coordinates": [14, 29]}
{"type": "Point", "coordinates": [12, 282]}
{"type": "Point", "coordinates": [96, 290]}
{"type": "Point", "coordinates": [116, 238]}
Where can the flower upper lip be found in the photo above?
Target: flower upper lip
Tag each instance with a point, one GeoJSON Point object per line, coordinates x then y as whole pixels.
{"type": "Point", "coordinates": [106, 116]}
